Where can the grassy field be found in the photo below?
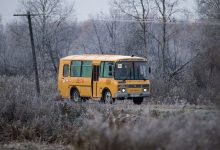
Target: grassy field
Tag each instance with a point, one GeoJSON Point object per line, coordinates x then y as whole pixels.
{"type": "Point", "coordinates": [34, 146]}
{"type": "Point", "coordinates": [45, 122]}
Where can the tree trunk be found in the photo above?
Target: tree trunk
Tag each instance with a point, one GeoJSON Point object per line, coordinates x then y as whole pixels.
{"type": "Point", "coordinates": [164, 40]}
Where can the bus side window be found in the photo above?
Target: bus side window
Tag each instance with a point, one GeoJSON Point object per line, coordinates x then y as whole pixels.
{"type": "Point", "coordinates": [86, 69]}
{"type": "Point", "coordinates": [106, 69]}
{"type": "Point", "coordinates": [75, 69]}
{"type": "Point", "coordinates": [65, 70]}
{"type": "Point", "coordinates": [101, 69]}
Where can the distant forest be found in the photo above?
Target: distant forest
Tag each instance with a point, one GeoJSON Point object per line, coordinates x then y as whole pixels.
{"type": "Point", "coordinates": [184, 55]}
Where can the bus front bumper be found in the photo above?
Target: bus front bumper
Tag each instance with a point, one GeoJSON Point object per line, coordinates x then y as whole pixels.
{"type": "Point", "coordinates": [126, 95]}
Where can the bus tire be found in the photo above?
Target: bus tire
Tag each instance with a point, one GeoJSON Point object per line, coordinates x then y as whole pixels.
{"type": "Point", "coordinates": [75, 96]}
{"type": "Point", "coordinates": [138, 100]}
{"type": "Point", "coordinates": [107, 97]}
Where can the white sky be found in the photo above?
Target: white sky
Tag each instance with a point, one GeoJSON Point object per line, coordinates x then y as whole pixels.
{"type": "Point", "coordinates": [83, 8]}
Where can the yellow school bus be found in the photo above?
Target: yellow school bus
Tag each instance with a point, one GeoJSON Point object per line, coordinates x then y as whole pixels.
{"type": "Point", "coordinates": [104, 77]}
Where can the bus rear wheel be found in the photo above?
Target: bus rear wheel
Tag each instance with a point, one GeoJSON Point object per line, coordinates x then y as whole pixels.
{"type": "Point", "coordinates": [75, 96]}
{"type": "Point", "coordinates": [138, 100]}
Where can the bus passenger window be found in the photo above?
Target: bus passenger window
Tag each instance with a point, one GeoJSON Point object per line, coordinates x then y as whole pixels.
{"type": "Point", "coordinates": [106, 69]}
{"type": "Point", "coordinates": [86, 69]}
{"type": "Point", "coordinates": [75, 69]}
{"type": "Point", "coordinates": [65, 70]}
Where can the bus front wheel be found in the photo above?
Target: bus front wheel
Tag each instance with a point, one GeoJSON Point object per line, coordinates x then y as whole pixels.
{"type": "Point", "coordinates": [138, 100]}
{"type": "Point", "coordinates": [75, 96]}
{"type": "Point", "coordinates": [107, 97]}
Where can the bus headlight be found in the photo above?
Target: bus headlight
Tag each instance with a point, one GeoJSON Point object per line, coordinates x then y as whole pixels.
{"type": "Point", "coordinates": [146, 87]}
{"type": "Point", "coordinates": [123, 90]}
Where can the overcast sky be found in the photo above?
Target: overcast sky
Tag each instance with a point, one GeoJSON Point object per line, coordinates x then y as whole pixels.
{"type": "Point", "coordinates": [83, 8]}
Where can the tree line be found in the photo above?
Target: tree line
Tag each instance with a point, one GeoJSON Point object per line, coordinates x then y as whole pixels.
{"type": "Point", "coordinates": [184, 57]}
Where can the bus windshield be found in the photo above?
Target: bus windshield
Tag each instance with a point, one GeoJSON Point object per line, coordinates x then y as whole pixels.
{"type": "Point", "coordinates": [131, 71]}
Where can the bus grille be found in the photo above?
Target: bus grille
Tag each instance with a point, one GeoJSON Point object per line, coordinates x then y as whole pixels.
{"type": "Point", "coordinates": [134, 86]}
{"type": "Point", "coordinates": [147, 86]}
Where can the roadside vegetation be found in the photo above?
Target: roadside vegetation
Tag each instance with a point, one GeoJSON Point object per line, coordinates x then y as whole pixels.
{"type": "Point", "coordinates": [27, 118]}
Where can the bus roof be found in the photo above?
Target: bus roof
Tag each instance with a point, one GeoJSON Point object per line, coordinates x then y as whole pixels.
{"type": "Point", "coordinates": [102, 57]}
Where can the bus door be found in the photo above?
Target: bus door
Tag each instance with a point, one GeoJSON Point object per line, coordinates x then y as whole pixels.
{"type": "Point", "coordinates": [95, 79]}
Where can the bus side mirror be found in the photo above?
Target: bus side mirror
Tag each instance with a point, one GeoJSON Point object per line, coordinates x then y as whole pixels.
{"type": "Point", "coordinates": [149, 69]}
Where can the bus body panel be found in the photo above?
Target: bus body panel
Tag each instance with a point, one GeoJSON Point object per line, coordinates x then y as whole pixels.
{"type": "Point", "coordinates": [82, 84]}
{"type": "Point", "coordinates": [63, 81]}
{"type": "Point", "coordinates": [107, 83]}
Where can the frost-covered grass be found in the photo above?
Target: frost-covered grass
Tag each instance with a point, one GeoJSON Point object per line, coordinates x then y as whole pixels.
{"type": "Point", "coordinates": [34, 146]}
{"type": "Point", "coordinates": [27, 118]}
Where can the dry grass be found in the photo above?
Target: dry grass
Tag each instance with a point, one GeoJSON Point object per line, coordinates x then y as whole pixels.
{"type": "Point", "coordinates": [26, 118]}
{"type": "Point", "coordinates": [34, 146]}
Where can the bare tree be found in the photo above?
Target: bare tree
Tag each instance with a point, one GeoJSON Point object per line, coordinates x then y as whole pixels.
{"type": "Point", "coordinates": [139, 10]}
{"type": "Point", "coordinates": [3, 44]}
{"type": "Point", "coordinates": [167, 9]}
{"type": "Point", "coordinates": [105, 34]}
{"type": "Point", "coordinates": [18, 49]}
{"type": "Point", "coordinates": [146, 13]}
{"type": "Point", "coordinates": [207, 66]}
{"type": "Point", "coordinates": [112, 25]}
{"type": "Point", "coordinates": [90, 39]}
{"type": "Point", "coordinates": [209, 9]}
{"type": "Point", "coordinates": [49, 26]}
{"type": "Point", "coordinates": [97, 34]}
